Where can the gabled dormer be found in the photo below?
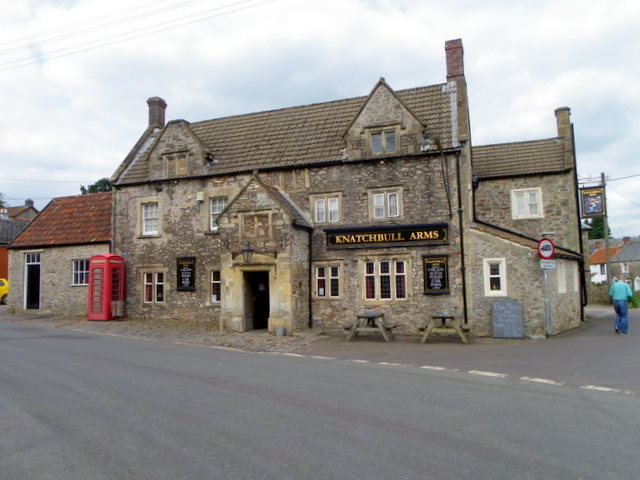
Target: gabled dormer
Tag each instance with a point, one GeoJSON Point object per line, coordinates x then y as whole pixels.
{"type": "Point", "coordinates": [177, 153]}
{"type": "Point", "coordinates": [385, 126]}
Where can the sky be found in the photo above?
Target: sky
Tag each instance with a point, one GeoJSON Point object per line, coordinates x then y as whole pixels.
{"type": "Point", "coordinates": [75, 75]}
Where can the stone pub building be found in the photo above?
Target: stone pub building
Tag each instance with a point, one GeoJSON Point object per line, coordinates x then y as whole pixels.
{"type": "Point", "coordinates": [310, 215]}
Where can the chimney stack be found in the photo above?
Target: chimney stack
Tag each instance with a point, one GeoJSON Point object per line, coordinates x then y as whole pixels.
{"type": "Point", "coordinates": [28, 202]}
{"type": "Point", "coordinates": [157, 107]}
{"type": "Point", "coordinates": [455, 58]}
{"type": "Point", "coordinates": [565, 130]}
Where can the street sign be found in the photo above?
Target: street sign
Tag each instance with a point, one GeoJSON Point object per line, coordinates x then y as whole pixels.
{"type": "Point", "coordinates": [547, 264]}
{"type": "Point", "coordinates": [546, 249]}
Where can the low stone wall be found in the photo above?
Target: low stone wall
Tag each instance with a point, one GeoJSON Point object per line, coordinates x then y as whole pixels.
{"type": "Point", "coordinates": [598, 294]}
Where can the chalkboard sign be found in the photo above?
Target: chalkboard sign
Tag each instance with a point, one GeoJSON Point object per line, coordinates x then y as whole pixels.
{"type": "Point", "coordinates": [507, 319]}
{"type": "Point", "coordinates": [436, 274]}
{"type": "Point", "coordinates": [186, 275]}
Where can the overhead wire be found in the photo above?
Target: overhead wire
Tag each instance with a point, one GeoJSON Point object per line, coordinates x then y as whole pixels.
{"type": "Point", "coordinates": [129, 35]}
{"type": "Point", "coordinates": [28, 42]}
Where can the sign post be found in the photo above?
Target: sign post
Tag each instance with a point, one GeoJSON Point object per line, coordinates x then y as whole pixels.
{"type": "Point", "coordinates": [546, 252]}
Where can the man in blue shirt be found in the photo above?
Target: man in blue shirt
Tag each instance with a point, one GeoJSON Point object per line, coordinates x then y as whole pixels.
{"type": "Point", "coordinates": [620, 293]}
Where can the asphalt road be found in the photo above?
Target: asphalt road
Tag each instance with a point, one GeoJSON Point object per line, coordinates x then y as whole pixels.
{"type": "Point", "coordinates": [76, 405]}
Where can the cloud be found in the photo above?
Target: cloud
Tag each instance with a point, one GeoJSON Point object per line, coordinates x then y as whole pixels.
{"type": "Point", "coordinates": [76, 116]}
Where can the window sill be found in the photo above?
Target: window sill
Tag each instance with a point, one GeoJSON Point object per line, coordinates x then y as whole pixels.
{"type": "Point", "coordinates": [529, 217]}
{"type": "Point", "coordinates": [155, 235]}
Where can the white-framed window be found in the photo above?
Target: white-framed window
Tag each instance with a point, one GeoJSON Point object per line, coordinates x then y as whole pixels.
{"type": "Point", "coordinates": [216, 286]}
{"type": "Point", "coordinates": [153, 287]}
{"type": "Point", "coordinates": [149, 218]}
{"type": "Point", "coordinates": [326, 209]}
{"type": "Point", "coordinates": [80, 272]}
{"type": "Point", "coordinates": [575, 273]}
{"type": "Point", "coordinates": [527, 203]}
{"type": "Point", "coordinates": [385, 203]}
{"type": "Point", "coordinates": [561, 272]}
{"type": "Point", "coordinates": [32, 258]}
{"type": "Point", "coordinates": [327, 281]}
{"type": "Point", "coordinates": [495, 277]}
{"type": "Point", "coordinates": [383, 141]}
{"type": "Point", "coordinates": [624, 267]}
{"type": "Point", "coordinates": [216, 205]}
{"type": "Point", "coordinates": [385, 280]}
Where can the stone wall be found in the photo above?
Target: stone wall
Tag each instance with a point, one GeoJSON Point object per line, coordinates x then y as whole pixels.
{"type": "Point", "coordinates": [184, 232]}
{"type": "Point", "coordinates": [525, 284]}
{"type": "Point", "coordinates": [57, 295]}
{"type": "Point", "coordinates": [493, 205]}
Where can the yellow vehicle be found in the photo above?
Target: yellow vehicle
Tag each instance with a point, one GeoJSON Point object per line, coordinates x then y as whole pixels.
{"type": "Point", "coordinates": [4, 290]}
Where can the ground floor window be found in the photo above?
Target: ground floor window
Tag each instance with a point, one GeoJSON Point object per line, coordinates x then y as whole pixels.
{"type": "Point", "coordinates": [327, 281]}
{"type": "Point", "coordinates": [495, 277]}
{"type": "Point", "coordinates": [153, 287]}
{"type": "Point", "coordinates": [385, 280]}
{"type": "Point", "coordinates": [80, 272]}
{"type": "Point", "coordinates": [216, 290]}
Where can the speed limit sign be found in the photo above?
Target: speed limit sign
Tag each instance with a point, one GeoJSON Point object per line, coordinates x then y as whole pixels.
{"type": "Point", "coordinates": [546, 249]}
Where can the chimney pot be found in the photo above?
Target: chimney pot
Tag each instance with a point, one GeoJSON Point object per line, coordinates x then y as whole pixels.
{"type": "Point", "coordinates": [157, 107]}
{"type": "Point", "coordinates": [455, 58]}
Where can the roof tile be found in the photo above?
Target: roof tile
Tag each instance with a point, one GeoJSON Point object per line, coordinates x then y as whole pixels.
{"type": "Point", "coordinates": [74, 220]}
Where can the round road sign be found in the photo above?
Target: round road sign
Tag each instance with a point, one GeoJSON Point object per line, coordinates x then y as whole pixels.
{"type": "Point", "coordinates": [546, 249]}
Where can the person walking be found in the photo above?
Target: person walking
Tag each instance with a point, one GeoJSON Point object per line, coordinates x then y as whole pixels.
{"type": "Point", "coordinates": [620, 293]}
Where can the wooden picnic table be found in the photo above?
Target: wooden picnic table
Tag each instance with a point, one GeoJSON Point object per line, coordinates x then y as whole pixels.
{"type": "Point", "coordinates": [369, 322]}
{"type": "Point", "coordinates": [443, 323]}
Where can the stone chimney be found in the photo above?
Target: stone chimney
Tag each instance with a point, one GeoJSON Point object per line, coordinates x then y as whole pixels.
{"type": "Point", "coordinates": [455, 58]}
{"type": "Point", "coordinates": [28, 202]}
{"type": "Point", "coordinates": [565, 130]}
{"type": "Point", "coordinates": [157, 107]}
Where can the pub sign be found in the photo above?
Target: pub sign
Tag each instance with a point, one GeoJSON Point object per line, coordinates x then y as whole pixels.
{"type": "Point", "coordinates": [592, 201]}
{"type": "Point", "coordinates": [436, 274]}
{"type": "Point", "coordinates": [186, 274]}
{"type": "Point", "coordinates": [435, 233]}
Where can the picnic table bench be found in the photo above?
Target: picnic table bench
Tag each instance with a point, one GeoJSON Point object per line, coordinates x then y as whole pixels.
{"type": "Point", "coordinates": [372, 322]}
{"type": "Point", "coordinates": [443, 323]}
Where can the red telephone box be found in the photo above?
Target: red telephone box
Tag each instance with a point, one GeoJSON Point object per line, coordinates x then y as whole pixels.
{"type": "Point", "coordinates": [106, 287]}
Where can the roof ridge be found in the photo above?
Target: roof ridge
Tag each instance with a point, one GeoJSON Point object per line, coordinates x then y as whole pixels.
{"type": "Point", "coordinates": [315, 104]}
{"type": "Point", "coordinates": [517, 142]}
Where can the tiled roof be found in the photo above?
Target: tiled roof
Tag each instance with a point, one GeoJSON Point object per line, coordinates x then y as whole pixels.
{"type": "Point", "coordinates": [77, 220]}
{"type": "Point", "coordinates": [597, 257]}
{"type": "Point", "coordinates": [519, 158]}
{"type": "Point", "coordinates": [10, 228]}
{"type": "Point", "coordinates": [299, 218]}
{"type": "Point", "coordinates": [630, 252]}
{"type": "Point", "coordinates": [298, 136]}
{"type": "Point", "coordinates": [17, 212]}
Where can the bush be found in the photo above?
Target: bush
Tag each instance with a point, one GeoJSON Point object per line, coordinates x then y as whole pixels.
{"type": "Point", "coordinates": [634, 301]}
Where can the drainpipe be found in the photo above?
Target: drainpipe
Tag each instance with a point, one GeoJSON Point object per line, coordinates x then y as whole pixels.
{"type": "Point", "coordinates": [310, 321]}
{"type": "Point", "coordinates": [583, 289]}
{"type": "Point", "coordinates": [463, 267]}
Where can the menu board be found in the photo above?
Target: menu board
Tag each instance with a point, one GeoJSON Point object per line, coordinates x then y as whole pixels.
{"type": "Point", "coordinates": [436, 274]}
{"type": "Point", "coordinates": [186, 275]}
{"type": "Point", "coordinates": [507, 319]}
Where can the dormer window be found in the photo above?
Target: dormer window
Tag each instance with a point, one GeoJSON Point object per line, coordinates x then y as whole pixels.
{"type": "Point", "coordinates": [383, 142]}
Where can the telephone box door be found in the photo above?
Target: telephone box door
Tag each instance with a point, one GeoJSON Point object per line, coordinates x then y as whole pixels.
{"type": "Point", "coordinates": [106, 287]}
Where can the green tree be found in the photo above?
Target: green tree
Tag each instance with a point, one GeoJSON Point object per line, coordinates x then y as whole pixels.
{"type": "Point", "coordinates": [597, 228]}
{"type": "Point", "coordinates": [102, 185]}
{"type": "Point", "coordinates": [2, 204]}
